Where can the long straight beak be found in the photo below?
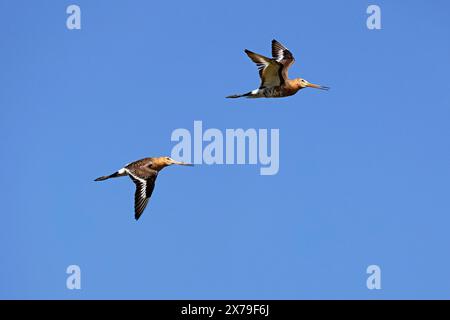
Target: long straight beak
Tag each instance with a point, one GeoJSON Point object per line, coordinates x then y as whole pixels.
{"type": "Point", "coordinates": [182, 163]}
{"type": "Point", "coordinates": [312, 85]}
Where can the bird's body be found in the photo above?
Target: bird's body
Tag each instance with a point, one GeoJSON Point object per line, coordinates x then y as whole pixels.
{"type": "Point", "coordinates": [143, 173]}
{"type": "Point", "coordinates": [289, 88]}
{"type": "Point", "coordinates": [274, 75]}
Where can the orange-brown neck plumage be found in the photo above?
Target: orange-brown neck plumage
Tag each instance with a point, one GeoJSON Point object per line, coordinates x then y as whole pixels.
{"type": "Point", "coordinates": [159, 163]}
{"type": "Point", "coordinates": [292, 86]}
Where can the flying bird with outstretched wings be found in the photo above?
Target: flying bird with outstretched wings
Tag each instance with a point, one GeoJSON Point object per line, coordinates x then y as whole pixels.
{"type": "Point", "coordinates": [273, 72]}
{"type": "Point", "coordinates": [143, 173]}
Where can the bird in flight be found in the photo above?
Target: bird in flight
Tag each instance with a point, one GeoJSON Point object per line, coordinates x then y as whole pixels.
{"type": "Point", "coordinates": [143, 173]}
{"type": "Point", "coordinates": [274, 75]}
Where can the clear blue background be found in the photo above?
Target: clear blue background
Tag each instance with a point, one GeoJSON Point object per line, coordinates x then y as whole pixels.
{"type": "Point", "coordinates": [364, 168]}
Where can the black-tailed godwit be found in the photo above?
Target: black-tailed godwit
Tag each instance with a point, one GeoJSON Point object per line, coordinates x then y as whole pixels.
{"type": "Point", "coordinates": [143, 173]}
{"type": "Point", "coordinates": [274, 75]}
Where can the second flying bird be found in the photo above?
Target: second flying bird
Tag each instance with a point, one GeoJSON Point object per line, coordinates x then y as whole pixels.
{"type": "Point", "coordinates": [274, 75]}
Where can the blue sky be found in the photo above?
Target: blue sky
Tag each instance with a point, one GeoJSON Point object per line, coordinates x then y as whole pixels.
{"type": "Point", "coordinates": [364, 168]}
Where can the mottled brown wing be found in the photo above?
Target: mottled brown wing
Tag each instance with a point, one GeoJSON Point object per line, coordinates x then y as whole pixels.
{"type": "Point", "coordinates": [146, 162]}
{"type": "Point", "coordinates": [283, 56]}
{"type": "Point", "coordinates": [269, 70]}
{"type": "Point", "coordinates": [145, 179]}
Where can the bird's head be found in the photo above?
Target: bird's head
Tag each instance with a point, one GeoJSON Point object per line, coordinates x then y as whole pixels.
{"type": "Point", "coordinates": [168, 161]}
{"type": "Point", "coordinates": [302, 83]}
